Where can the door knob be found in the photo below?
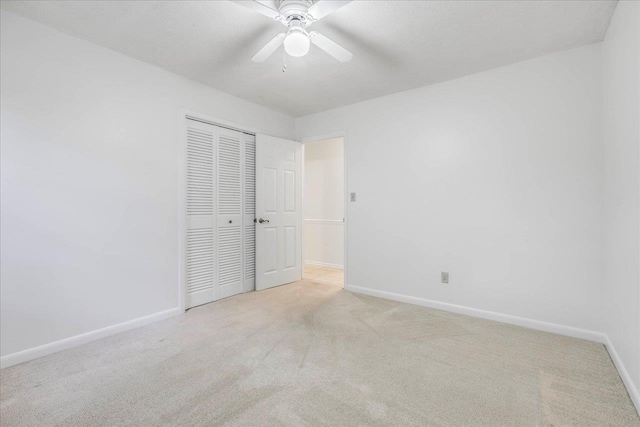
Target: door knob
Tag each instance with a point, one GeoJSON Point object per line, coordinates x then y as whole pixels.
{"type": "Point", "coordinates": [263, 220]}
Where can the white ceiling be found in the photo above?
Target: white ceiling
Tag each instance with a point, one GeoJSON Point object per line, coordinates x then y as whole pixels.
{"type": "Point", "coordinates": [397, 45]}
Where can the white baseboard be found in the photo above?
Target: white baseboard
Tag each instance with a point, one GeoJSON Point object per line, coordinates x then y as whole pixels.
{"type": "Point", "coordinates": [64, 344]}
{"type": "Point", "coordinates": [624, 374]}
{"type": "Point", "coordinates": [323, 264]}
{"type": "Point", "coordinates": [490, 315]}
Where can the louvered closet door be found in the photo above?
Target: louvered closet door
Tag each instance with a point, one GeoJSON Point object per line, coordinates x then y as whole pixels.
{"type": "Point", "coordinates": [230, 213]}
{"type": "Point", "coordinates": [200, 192]}
{"type": "Point", "coordinates": [249, 212]}
{"type": "Point", "coordinates": [220, 241]}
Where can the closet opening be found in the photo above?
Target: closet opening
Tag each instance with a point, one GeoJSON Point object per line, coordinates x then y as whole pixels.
{"type": "Point", "coordinates": [324, 211]}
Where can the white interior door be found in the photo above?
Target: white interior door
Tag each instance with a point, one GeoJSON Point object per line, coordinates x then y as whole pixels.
{"type": "Point", "coordinates": [279, 211]}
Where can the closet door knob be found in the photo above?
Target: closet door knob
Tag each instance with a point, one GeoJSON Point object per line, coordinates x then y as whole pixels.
{"type": "Point", "coordinates": [261, 221]}
{"type": "Point", "coordinates": [230, 221]}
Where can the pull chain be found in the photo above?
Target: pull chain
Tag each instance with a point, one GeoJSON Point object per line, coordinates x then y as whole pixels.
{"type": "Point", "coordinates": [284, 60]}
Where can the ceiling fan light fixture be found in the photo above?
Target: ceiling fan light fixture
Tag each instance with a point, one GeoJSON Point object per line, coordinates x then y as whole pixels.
{"type": "Point", "coordinates": [297, 15]}
{"type": "Point", "coordinates": [297, 43]}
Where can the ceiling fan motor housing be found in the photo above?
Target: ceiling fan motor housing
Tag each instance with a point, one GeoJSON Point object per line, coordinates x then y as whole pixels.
{"type": "Point", "coordinates": [295, 10]}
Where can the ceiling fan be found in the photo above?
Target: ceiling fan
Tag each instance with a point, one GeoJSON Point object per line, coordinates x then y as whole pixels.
{"type": "Point", "coordinates": [297, 15]}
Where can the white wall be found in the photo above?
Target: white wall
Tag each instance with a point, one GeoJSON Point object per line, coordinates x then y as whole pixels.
{"type": "Point", "coordinates": [495, 178]}
{"type": "Point", "coordinates": [324, 203]}
{"type": "Point", "coordinates": [90, 158]}
{"type": "Point", "coordinates": [621, 126]}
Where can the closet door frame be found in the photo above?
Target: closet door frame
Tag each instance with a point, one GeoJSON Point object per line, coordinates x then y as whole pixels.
{"type": "Point", "coordinates": [182, 192]}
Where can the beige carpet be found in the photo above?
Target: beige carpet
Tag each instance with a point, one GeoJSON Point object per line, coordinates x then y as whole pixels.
{"type": "Point", "coordinates": [311, 354]}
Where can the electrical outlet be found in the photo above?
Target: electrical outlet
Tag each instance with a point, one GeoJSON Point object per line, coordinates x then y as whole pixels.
{"type": "Point", "coordinates": [444, 277]}
{"type": "Point", "coordinates": [353, 197]}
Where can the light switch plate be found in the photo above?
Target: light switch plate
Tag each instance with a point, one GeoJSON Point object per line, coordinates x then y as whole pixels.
{"type": "Point", "coordinates": [444, 277]}
{"type": "Point", "coordinates": [353, 197]}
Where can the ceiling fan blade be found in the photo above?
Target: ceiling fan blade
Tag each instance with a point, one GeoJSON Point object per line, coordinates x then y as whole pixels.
{"type": "Point", "coordinates": [259, 7]}
{"type": "Point", "coordinates": [331, 47]}
{"type": "Point", "coordinates": [322, 8]}
{"type": "Point", "coordinates": [269, 48]}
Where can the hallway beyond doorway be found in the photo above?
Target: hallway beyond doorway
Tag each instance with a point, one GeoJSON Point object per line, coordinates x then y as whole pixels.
{"type": "Point", "coordinates": [325, 275]}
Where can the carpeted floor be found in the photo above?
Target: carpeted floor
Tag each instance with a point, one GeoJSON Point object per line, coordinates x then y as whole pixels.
{"type": "Point", "coordinates": [311, 354]}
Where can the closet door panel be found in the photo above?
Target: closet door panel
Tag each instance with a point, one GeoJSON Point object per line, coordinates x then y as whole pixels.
{"type": "Point", "coordinates": [200, 181]}
{"type": "Point", "coordinates": [230, 218]}
{"type": "Point", "coordinates": [249, 213]}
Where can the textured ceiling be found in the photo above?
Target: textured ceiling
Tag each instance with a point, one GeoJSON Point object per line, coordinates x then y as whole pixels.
{"type": "Point", "coordinates": [397, 45]}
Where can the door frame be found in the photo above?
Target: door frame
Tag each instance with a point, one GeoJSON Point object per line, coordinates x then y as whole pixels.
{"type": "Point", "coordinates": [343, 135]}
{"type": "Point", "coordinates": [182, 191]}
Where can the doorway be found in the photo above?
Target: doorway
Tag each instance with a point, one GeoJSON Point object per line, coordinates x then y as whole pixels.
{"type": "Point", "coordinates": [324, 211]}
